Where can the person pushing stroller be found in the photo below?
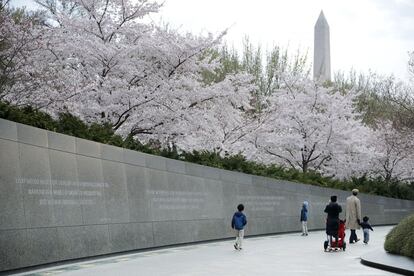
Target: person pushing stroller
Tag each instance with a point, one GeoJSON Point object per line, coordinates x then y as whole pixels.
{"type": "Point", "coordinates": [332, 223]}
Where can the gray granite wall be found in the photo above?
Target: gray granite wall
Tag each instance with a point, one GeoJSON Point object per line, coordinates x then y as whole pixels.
{"type": "Point", "coordinates": [63, 198]}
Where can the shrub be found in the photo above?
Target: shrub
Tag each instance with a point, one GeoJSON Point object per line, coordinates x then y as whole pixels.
{"type": "Point", "coordinates": [71, 125]}
{"type": "Point", "coordinates": [400, 240]}
{"type": "Point", "coordinates": [28, 116]}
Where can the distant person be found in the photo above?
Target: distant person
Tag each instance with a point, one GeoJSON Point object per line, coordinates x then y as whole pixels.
{"type": "Point", "coordinates": [365, 228]}
{"type": "Point", "coordinates": [332, 221]}
{"type": "Point", "coordinates": [353, 215]}
{"type": "Point", "coordinates": [237, 223]}
{"type": "Point", "coordinates": [304, 218]}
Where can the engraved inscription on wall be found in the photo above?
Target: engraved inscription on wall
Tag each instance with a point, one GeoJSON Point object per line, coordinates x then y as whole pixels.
{"type": "Point", "coordinates": [261, 202]}
{"type": "Point", "coordinates": [62, 192]}
{"type": "Point", "coordinates": [176, 200]}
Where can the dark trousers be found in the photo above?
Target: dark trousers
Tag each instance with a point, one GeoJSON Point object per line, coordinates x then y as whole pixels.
{"type": "Point", "coordinates": [353, 238]}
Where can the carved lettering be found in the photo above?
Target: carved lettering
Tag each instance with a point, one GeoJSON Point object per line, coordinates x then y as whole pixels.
{"type": "Point", "coordinates": [63, 192]}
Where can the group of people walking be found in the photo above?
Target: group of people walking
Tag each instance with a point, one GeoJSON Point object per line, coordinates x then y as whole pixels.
{"type": "Point", "coordinates": [353, 220]}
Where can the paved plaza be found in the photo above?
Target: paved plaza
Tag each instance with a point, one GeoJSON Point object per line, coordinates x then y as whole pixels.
{"type": "Point", "coordinates": [286, 254]}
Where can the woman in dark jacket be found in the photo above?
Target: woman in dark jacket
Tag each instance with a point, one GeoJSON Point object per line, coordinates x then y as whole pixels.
{"type": "Point", "coordinates": [332, 221]}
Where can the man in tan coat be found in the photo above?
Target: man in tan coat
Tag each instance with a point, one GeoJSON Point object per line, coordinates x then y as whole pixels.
{"type": "Point", "coordinates": [353, 215]}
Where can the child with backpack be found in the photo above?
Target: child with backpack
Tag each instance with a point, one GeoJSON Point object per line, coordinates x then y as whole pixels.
{"type": "Point", "coordinates": [237, 223]}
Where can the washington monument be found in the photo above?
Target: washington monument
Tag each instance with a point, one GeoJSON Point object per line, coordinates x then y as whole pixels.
{"type": "Point", "coordinates": [321, 50]}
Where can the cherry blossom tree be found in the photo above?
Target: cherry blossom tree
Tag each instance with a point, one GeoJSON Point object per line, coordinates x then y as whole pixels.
{"type": "Point", "coordinates": [20, 34]}
{"type": "Point", "coordinates": [99, 61]}
{"type": "Point", "coordinates": [222, 122]}
{"type": "Point", "coordinates": [309, 128]}
{"type": "Point", "coordinates": [394, 152]}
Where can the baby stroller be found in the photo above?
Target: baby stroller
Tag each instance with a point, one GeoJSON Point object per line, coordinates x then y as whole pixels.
{"type": "Point", "coordinates": [339, 243]}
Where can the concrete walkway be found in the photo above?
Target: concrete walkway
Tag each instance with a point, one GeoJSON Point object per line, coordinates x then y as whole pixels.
{"type": "Point", "coordinates": [287, 254]}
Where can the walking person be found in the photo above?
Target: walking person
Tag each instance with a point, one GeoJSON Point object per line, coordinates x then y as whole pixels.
{"type": "Point", "coordinates": [332, 221]}
{"type": "Point", "coordinates": [304, 218]}
{"type": "Point", "coordinates": [238, 222]}
{"type": "Point", "coordinates": [365, 228]}
{"type": "Point", "coordinates": [353, 215]}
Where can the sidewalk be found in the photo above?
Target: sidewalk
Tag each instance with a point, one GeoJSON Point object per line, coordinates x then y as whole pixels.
{"type": "Point", "coordinates": [285, 254]}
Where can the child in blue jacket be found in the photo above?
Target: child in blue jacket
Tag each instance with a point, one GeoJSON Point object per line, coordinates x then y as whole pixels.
{"type": "Point", "coordinates": [304, 218]}
{"type": "Point", "coordinates": [237, 223]}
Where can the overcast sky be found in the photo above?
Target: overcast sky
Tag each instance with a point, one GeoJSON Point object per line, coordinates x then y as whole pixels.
{"type": "Point", "coordinates": [365, 34]}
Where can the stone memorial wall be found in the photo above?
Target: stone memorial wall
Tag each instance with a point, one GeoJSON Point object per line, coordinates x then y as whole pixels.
{"type": "Point", "coordinates": [65, 198]}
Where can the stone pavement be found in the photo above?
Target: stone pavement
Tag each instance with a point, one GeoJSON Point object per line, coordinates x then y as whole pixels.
{"type": "Point", "coordinates": [285, 254]}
